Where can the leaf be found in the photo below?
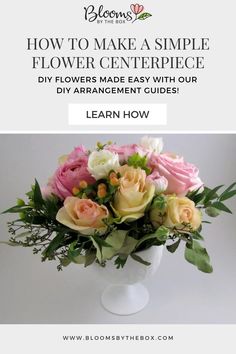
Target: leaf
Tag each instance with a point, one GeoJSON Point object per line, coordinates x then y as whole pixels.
{"type": "Point", "coordinates": [54, 245]}
{"type": "Point", "coordinates": [98, 248]}
{"type": "Point", "coordinates": [65, 261]}
{"type": "Point", "coordinates": [90, 257]}
{"type": "Point", "coordinates": [136, 161]}
{"type": "Point", "coordinates": [144, 16]}
{"type": "Point", "coordinates": [229, 188]}
{"type": "Point", "coordinates": [198, 256]}
{"type": "Point", "coordinates": [101, 242]}
{"type": "Point", "coordinates": [162, 233]}
{"type": "Point", "coordinates": [227, 195]}
{"type": "Point", "coordinates": [212, 194]}
{"type": "Point", "coordinates": [37, 197]}
{"type": "Point", "coordinates": [9, 243]}
{"type": "Point", "coordinates": [129, 245]}
{"type": "Point", "coordinates": [17, 209]}
{"type": "Point", "coordinates": [145, 238]}
{"type": "Point", "coordinates": [221, 206]}
{"type": "Point", "coordinates": [139, 259]}
{"type": "Point", "coordinates": [172, 248]}
{"type": "Point", "coordinates": [120, 262]}
{"type": "Point", "coordinates": [115, 240]}
{"type": "Point", "coordinates": [212, 212]}
{"type": "Point", "coordinates": [159, 202]}
{"type": "Point", "coordinates": [197, 236]}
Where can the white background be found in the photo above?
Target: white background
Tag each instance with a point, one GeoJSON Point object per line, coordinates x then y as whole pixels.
{"type": "Point", "coordinates": [34, 292]}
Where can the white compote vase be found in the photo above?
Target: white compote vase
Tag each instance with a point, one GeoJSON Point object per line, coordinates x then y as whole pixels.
{"type": "Point", "coordinates": [125, 295]}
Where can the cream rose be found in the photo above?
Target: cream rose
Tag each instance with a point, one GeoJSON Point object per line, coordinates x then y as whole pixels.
{"type": "Point", "coordinates": [100, 163]}
{"type": "Point", "coordinates": [83, 215]}
{"type": "Point", "coordinates": [182, 210]}
{"type": "Point", "coordinates": [134, 194]}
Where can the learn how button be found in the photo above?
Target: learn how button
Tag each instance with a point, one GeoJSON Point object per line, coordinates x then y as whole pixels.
{"type": "Point", "coordinates": [117, 114]}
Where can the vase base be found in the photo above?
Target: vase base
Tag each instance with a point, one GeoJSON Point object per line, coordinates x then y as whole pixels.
{"type": "Point", "coordinates": [125, 299]}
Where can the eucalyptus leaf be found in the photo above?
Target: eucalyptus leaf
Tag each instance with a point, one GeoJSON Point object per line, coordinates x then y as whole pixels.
{"type": "Point", "coordinates": [90, 256]}
{"type": "Point", "coordinates": [227, 195]}
{"type": "Point", "coordinates": [221, 206]}
{"type": "Point", "coordinates": [98, 249]}
{"type": "Point", "coordinates": [173, 247]}
{"type": "Point", "coordinates": [198, 256]}
{"type": "Point", "coordinates": [162, 233]}
{"type": "Point", "coordinates": [116, 240]}
{"type": "Point", "coordinates": [211, 194]}
{"type": "Point", "coordinates": [139, 259]}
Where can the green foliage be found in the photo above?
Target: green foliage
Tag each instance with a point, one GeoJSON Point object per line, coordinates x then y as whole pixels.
{"type": "Point", "coordinates": [159, 203]}
{"type": "Point", "coordinates": [136, 161]}
{"type": "Point", "coordinates": [139, 259]}
{"type": "Point", "coordinates": [36, 226]}
{"type": "Point", "coordinates": [211, 200]}
{"type": "Point", "coordinates": [173, 247]}
{"type": "Point", "coordinates": [198, 256]}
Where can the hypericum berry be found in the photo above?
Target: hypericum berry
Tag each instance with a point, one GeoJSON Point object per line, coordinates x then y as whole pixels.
{"type": "Point", "coordinates": [102, 186]}
{"type": "Point", "coordinates": [101, 193]}
{"type": "Point", "coordinates": [75, 190]}
{"type": "Point", "coordinates": [112, 174]}
{"type": "Point", "coordinates": [83, 184]}
{"type": "Point", "coordinates": [114, 181]}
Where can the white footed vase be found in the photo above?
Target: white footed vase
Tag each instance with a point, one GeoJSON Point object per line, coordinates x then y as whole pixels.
{"type": "Point", "coordinates": [125, 294]}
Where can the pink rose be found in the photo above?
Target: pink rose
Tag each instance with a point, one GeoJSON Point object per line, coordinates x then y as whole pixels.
{"type": "Point", "coordinates": [182, 176]}
{"type": "Point", "coordinates": [68, 176]}
{"type": "Point", "coordinates": [79, 151]}
{"type": "Point", "coordinates": [125, 151]}
{"type": "Point", "coordinates": [83, 215]}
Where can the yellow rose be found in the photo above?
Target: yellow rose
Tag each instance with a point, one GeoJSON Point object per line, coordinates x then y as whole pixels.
{"type": "Point", "coordinates": [134, 193]}
{"type": "Point", "coordinates": [83, 215]}
{"type": "Point", "coordinates": [182, 210]}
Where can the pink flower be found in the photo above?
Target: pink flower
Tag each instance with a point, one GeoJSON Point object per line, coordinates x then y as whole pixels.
{"type": "Point", "coordinates": [160, 182]}
{"type": "Point", "coordinates": [83, 215]}
{"type": "Point", "coordinates": [68, 176]}
{"type": "Point", "coordinates": [182, 176]}
{"type": "Point", "coordinates": [136, 8]}
{"type": "Point", "coordinates": [126, 150]}
{"type": "Point", "coordinates": [78, 152]}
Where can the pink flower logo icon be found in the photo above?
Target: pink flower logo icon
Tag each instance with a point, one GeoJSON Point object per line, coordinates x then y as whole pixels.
{"type": "Point", "coordinates": [137, 9]}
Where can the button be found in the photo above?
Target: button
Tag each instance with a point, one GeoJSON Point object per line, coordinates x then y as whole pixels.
{"type": "Point", "coordinates": [108, 115]}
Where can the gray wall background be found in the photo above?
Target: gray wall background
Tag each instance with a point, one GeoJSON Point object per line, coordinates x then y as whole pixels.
{"type": "Point", "coordinates": [34, 292]}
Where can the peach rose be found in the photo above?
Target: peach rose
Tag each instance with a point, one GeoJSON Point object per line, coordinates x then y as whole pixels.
{"type": "Point", "coordinates": [134, 194]}
{"type": "Point", "coordinates": [83, 215]}
{"type": "Point", "coordinates": [178, 210]}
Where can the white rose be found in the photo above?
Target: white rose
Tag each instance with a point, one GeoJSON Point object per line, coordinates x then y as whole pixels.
{"type": "Point", "coordinates": [100, 163]}
{"type": "Point", "coordinates": [152, 144]}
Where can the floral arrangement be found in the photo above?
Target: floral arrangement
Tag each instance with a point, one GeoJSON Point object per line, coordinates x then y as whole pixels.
{"type": "Point", "coordinates": [115, 201]}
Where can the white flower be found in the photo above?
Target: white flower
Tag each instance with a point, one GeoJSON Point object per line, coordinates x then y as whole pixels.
{"type": "Point", "coordinates": [152, 144]}
{"type": "Point", "coordinates": [100, 163]}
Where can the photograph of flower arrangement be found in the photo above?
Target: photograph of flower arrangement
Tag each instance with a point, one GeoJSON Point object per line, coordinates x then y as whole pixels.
{"type": "Point", "coordinates": [115, 201]}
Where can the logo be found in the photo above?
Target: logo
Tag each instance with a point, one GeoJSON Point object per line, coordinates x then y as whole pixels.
{"type": "Point", "coordinates": [102, 15]}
